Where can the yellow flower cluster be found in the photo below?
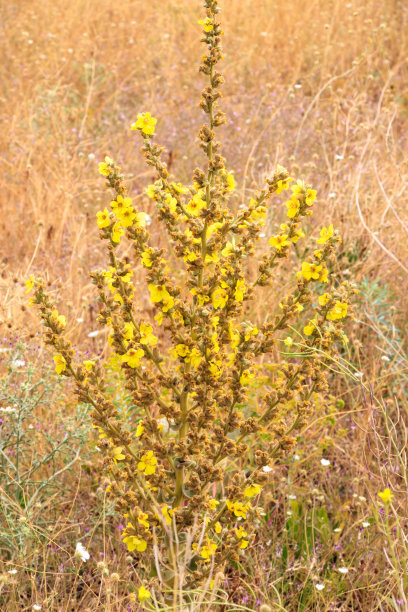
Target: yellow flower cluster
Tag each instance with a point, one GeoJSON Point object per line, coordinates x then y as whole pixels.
{"type": "Point", "coordinates": [191, 401]}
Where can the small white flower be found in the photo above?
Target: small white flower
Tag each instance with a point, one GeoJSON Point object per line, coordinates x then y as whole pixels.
{"type": "Point", "coordinates": [365, 524]}
{"type": "Point", "coordinates": [291, 496]}
{"type": "Point", "coordinates": [267, 468]}
{"type": "Point", "coordinates": [320, 587]}
{"type": "Point", "coordinates": [18, 363]}
{"type": "Point", "coordinates": [385, 358]}
{"type": "Point", "coordinates": [12, 571]}
{"type": "Point", "coordinates": [325, 462]}
{"type": "Point", "coordinates": [358, 374]}
{"type": "Point", "coordinates": [91, 155]}
{"type": "Point", "coordinates": [148, 219]}
{"type": "Point", "coordinates": [36, 607]}
{"type": "Point", "coordinates": [298, 86]}
{"type": "Point", "coordinates": [332, 194]}
{"type": "Point", "coordinates": [81, 552]}
{"type": "Point", "coordinates": [8, 409]}
{"type": "Point", "coordinates": [343, 570]}
{"type": "Point", "coordinates": [296, 457]}
{"type": "Point", "coordinates": [262, 235]}
{"type": "Point", "coordinates": [93, 334]}
{"type": "Point", "coordinates": [80, 320]}
{"type": "Point", "coordinates": [339, 157]}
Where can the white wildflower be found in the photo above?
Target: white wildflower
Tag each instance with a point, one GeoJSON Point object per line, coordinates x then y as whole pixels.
{"type": "Point", "coordinates": [81, 552]}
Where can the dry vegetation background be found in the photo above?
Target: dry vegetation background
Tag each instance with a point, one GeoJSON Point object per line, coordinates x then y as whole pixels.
{"type": "Point", "coordinates": [319, 86]}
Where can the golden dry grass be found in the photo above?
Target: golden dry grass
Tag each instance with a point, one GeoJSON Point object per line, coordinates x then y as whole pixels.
{"type": "Point", "coordinates": [319, 86]}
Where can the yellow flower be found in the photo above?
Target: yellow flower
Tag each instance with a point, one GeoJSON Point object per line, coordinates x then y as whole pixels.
{"type": "Point", "coordinates": [213, 503]}
{"type": "Point", "coordinates": [181, 350]}
{"type": "Point", "coordinates": [117, 454]}
{"type": "Point", "coordinates": [179, 188]}
{"type": "Point", "coordinates": [219, 296]}
{"type": "Point", "coordinates": [206, 23]}
{"type": "Point", "coordinates": [60, 363]}
{"type": "Point", "coordinates": [128, 331]}
{"type": "Point", "coordinates": [310, 196]}
{"type": "Point", "coordinates": [60, 319]}
{"type": "Point", "coordinates": [324, 276]}
{"type": "Point", "coordinates": [325, 234]}
{"type": "Point", "coordinates": [147, 464]}
{"type": "Point", "coordinates": [143, 594]}
{"type": "Point", "coordinates": [29, 284]}
{"type": "Point", "coordinates": [230, 182]}
{"type": "Point", "coordinates": [142, 520]}
{"type": "Point", "coordinates": [127, 217]}
{"type": "Point", "coordinates": [283, 184]}
{"type": "Point", "coordinates": [217, 527]}
{"type": "Point", "coordinates": [104, 168]}
{"type": "Point", "coordinates": [171, 203]}
{"type": "Point", "coordinates": [132, 357]}
{"type": "Point", "coordinates": [241, 533]}
{"type": "Point", "coordinates": [140, 220]}
{"type": "Point", "coordinates": [167, 514]}
{"type": "Point", "coordinates": [117, 232]}
{"type": "Point", "coordinates": [323, 299]}
{"type": "Point", "coordinates": [386, 496]}
{"type": "Point", "coordinates": [89, 365]}
{"type": "Point", "coordinates": [252, 490]}
{"type": "Point", "coordinates": [279, 242]}
{"type": "Point", "coordinates": [288, 341]}
{"type": "Point", "coordinates": [195, 205]}
{"type": "Point", "coordinates": [121, 204]}
{"type": "Point", "coordinates": [103, 218]}
{"type": "Point", "coordinates": [246, 377]}
{"type": "Point", "coordinates": [339, 311]}
{"type": "Point", "coordinates": [168, 303]}
{"type": "Point", "coordinates": [190, 257]}
{"type": "Point", "coordinates": [135, 543]}
{"type": "Point", "coordinates": [145, 123]}
{"type": "Point", "coordinates": [151, 192]}
{"type": "Point", "coordinates": [240, 290]}
{"type": "Point", "coordinates": [147, 259]}
{"type": "Point", "coordinates": [147, 336]}
{"type": "Point", "coordinates": [293, 207]}
{"type": "Point", "coordinates": [158, 293]}
{"type": "Point", "coordinates": [139, 429]}
{"type": "Point", "coordinates": [310, 271]}
{"type": "Point", "coordinates": [298, 234]}
{"type": "Point", "coordinates": [238, 508]}
{"type": "Point", "coordinates": [310, 327]}
{"type": "Point", "coordinates": [207, 550]}
{"type": "Point", "coordinates": [299, 190]}
{"type": "Point", "coordinates": [228, 249]}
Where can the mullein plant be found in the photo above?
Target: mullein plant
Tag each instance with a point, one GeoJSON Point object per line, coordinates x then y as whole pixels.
{"type": "Point", "coordinates": [192, 469]}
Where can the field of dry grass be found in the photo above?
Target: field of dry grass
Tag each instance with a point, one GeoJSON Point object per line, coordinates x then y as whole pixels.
{"type": "Point", "coordinates": [319, 86]}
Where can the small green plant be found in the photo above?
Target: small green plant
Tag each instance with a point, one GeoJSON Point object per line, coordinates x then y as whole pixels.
{"type": "Point", "coordinates": [187, 470]}
{"type": "Point", "coordinates": [34, 452]}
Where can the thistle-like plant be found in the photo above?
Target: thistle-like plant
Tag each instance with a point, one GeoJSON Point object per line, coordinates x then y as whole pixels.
{"type": "Point", "coordinates": [188, 472]}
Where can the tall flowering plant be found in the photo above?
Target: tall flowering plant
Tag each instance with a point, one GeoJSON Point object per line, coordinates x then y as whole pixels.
{"type": "Point", "coordinates": [187, 473]}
